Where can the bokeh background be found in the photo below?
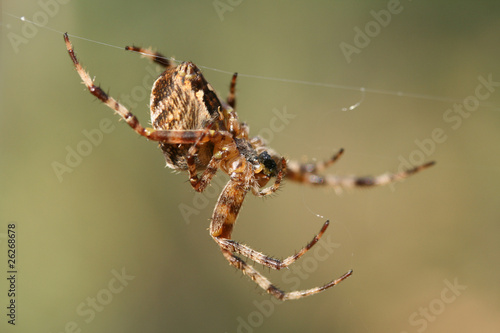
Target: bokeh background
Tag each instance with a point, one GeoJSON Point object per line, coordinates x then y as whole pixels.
{"type": "Point", "coordinates": [424, 252]}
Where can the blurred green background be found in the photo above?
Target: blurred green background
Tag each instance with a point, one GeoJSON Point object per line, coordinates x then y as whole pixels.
{"type": "Point", "coordinates": [424, 252]}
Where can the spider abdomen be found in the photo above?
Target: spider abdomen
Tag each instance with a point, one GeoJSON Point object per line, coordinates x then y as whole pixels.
{"type": "Point", "coordinates": [181, 99]}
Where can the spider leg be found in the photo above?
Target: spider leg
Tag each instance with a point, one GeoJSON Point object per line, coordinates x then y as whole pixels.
{"type": "Point", "coordinates": [260, 258]}
{"type": "Point", "coordinates": [221, 226]}
{"type": "Point", "coordinates": [156, 57]}
{"type": "Point", "coordinates": [225, 145]}
{"type": "Point", "coordinates": [231, 98]}
{"type": "Point", "coordinates": [308, 174]}
{"type": "Point", "coordinates": [299, 172]}
{"type": "Point", "coordinates": [229, 112]}
{"type": "Point", "coordinates": [101, 95]}
{"type": "Point", "coordinates": [200, 183]}
{"type": "Point", "coordinates": [265, 284]}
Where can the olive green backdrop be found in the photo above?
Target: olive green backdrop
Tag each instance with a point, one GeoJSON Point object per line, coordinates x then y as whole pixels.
{"type": "Point", "coordinates": [109, 240]}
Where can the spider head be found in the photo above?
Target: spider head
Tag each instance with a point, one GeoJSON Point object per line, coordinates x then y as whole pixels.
{"type": "Point", "coordinates": [265, 168]}
{"type": "Point", "coordinates": [268, 165]}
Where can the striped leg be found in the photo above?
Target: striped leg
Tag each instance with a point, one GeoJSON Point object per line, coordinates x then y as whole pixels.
{"type": "Point", "coordinates": [353, 181]}
{"type": "Point", "coordinates": [231, 98]}
{"type": "Point", "coordinates": [258, 257]}
{"type": "Point", "coordinates": [229, 112]}
{"type": "Point", "coordinates": [299, 172]}
{"type": "Point", "coordinates": [308, 174]}
{"type": "Point", "coordinates": [265, 284]}
{"type": "Point", "coordinates": [200, 183]}
{"type": "Point", "coordinates": [156, 57]}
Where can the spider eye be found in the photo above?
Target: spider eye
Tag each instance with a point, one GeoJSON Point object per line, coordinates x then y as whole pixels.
{"type": "Point", "coordinates": [267, 163]}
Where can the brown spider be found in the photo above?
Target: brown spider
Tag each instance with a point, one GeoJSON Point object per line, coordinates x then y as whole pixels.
{"type": "Point", "coordinates": [197, 131]}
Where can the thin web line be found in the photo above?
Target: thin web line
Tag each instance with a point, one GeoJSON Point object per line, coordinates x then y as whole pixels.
{"type": "Point", "coordinates": [362, 90]}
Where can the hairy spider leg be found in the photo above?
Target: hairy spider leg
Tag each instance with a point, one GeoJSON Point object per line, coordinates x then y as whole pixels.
{"type": "Point", "coordinates": [229, 112]}
{"type": "Point", "coordinates": [156, 57]}
{"type": "Point", "coordinates": [246, 251]}
{"type": "Point", "coordinates": [299, 171]}
{"type": "Point", "coordinates": [231, 98]}
{"type": "Point", "coordinates": [308, 174]}
{"type": "Point", "coordinates": [224, 147]}
{"type": "Point", "coordinates": [265, 284]}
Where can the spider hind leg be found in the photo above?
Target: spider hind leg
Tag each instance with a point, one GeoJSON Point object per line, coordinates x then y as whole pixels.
{"type": "Point", "coordinates": [270, 288]}
{"type": "Point", "coordinates": [223, 218]}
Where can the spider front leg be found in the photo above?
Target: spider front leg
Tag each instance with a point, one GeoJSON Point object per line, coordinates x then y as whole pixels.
{"type": "Point", "coordinates": [302, 173]}
{"type": "Point", "coordinates": [308, 174]}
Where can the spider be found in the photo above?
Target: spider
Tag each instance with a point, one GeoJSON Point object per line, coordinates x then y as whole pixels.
{"type": "Point", "coordinates": [200, 133]}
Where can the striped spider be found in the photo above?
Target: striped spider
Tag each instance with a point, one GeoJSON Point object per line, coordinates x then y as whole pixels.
{"type": "Point", "coordinates": [199, 132]}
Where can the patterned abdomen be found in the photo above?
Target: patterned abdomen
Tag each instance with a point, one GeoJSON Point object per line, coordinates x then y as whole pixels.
{"type": "Point", "coordinates": [181, 99]}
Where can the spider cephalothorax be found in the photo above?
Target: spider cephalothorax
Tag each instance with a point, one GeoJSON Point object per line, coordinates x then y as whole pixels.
{"type": "Point", "coordinates": [198, 132]}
